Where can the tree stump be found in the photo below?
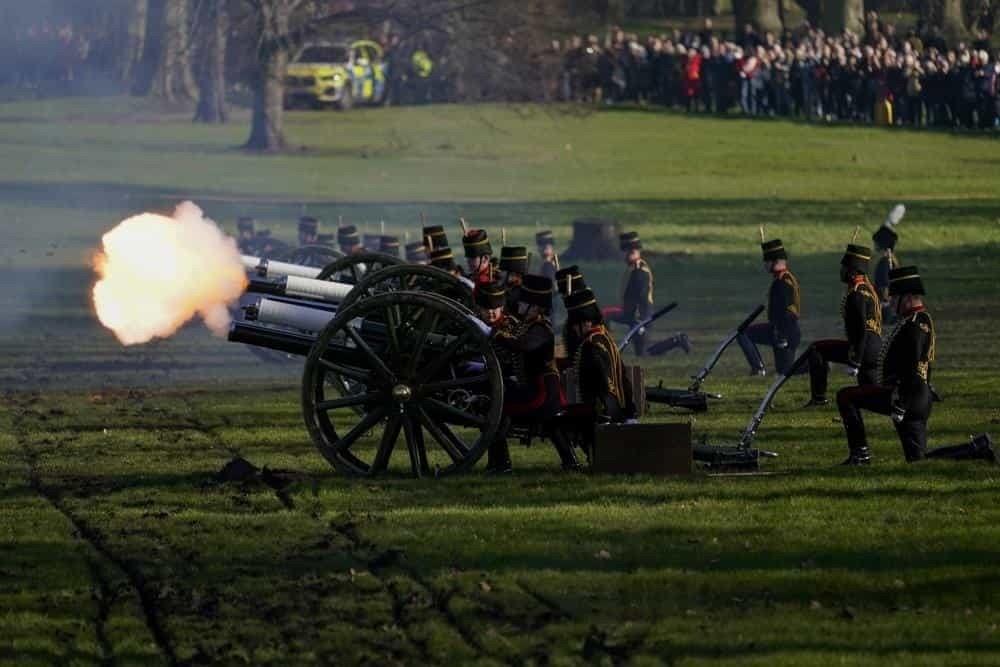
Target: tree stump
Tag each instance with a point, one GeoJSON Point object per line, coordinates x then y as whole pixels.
{"type": "Point", "coordinates": [594, 239]}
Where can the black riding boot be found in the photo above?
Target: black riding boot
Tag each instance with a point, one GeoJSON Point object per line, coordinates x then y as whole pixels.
{"type": "Point", "coordinates": [978, 448]}
{"type": "Point", "coordinates": [566, 454]}
{"type": "Point", "coordinates": [498, 458]}
{"type": "Point", "coordinates": [662, 347]}
{"type": "Point", "coordinates": [859, 456]}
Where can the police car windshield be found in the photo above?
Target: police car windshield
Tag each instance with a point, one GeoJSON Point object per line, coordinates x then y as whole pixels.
{"type": "Point", "coordinates": [323, 54]}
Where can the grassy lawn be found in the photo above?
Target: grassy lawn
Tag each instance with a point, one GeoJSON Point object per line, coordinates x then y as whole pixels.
{"type": "Point", "coordinates": [117, 545]}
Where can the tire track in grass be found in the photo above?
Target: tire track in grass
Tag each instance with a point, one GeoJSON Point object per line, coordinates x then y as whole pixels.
{"type": "Point", "coordinates": [18, 405]}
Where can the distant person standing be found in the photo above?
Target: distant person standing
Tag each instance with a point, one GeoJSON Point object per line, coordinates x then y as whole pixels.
{"type": "Point", "coordinates": [308, 230]}
{"type": "Point", "coordinates": [546, 243]}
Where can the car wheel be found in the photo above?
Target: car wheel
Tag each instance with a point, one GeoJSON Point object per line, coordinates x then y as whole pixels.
{"type": "Point", "coordinates": [347, 99]}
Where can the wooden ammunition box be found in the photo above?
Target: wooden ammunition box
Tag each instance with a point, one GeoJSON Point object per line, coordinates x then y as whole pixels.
{"type": "Point", "coordinates": [651, 449]}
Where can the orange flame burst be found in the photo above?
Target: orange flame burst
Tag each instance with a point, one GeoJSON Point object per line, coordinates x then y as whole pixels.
{"type": "Point", "coordinates": [158, 272]}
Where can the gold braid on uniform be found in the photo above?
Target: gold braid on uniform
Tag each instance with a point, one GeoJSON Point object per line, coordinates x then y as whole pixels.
{"type": "Point", "coordinates": [506, 356]}
{"type": "Point", "coordinates": [519, 330]}
{"type": "Point", "coordinates": [868, 291]}
{"type": "Point", "coordinates": [795, 307]}
{"type": "Point", "coordinates": [599, 338]}
{"type": "Point", "coordinates": [922, 366]}
{"type": "Point", "coordinates": [643, 266]}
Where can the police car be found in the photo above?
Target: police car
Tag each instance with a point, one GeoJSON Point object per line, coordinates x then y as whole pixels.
{"type": "Point", "coordinates": [341, 75]}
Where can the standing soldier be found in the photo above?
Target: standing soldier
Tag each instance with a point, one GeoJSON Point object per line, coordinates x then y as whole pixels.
{"type": "Point", "coordinates": [389, 245]}
{"type": "Point", "coordinates": [478, 255]}
{"type": "Point", "coordinates": [246, 235]}
{"type": "Point", "coordinates": [513, 265]}
{"type": "Point", "coordinates": [637, 287]}
{"type": "Point", "coordinates": [308, 230]}
{"type": "Point", "coordinates": [349, 240]}
{"type": "Point", "coordinates": [435, 237]}
{"type": "Point", "coordinates": [546, 243]}
{"type": "Point", "coordinates": [904, 390]}
{"type": "Point", "coordinates": [598, 364]}
{"type": "Point", "coordinates": [537, 393]}
{"type": "Point", "coordinates": [416, 253]}
{"type": "Point", "coordinates": [885, 238]}
{"type": "Point", "coordinates": [784, 307]}
{"type": "Point", "coordinates": [861, 312]}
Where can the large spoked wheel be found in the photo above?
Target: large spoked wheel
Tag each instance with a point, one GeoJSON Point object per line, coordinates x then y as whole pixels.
{"type": "Point", "coordinates": [411, 278]}
{"type": "Point", "coordinates": [423, 372]}
{"type": "Point", "coordinates": [351, 268]}
{"type": "Point", "coordinates": [313, 255]}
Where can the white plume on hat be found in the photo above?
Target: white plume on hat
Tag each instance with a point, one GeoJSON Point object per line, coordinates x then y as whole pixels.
{"type": "Point", "coordinates": [895, 215]}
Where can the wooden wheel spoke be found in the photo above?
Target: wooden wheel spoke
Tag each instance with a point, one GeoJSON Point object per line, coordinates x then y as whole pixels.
{"type": "Point", "coordinates": [355, 273]}
{"type": "Point", "coordinates": [347, 401]}
{"type": "Point", "coordinates": [414, 445]}
{"type": "Point", "coordinates": [376, 361]}
{"type": "Point", "coordinates": [357, 374]}
{"type": "Point", "coordinates": [446, 356]}
{"type": "Point", "coordinates": [454, 415]}
{"type": "Point", "coordinates": [424, 330]}
{"type": "Point", "coordinates": [362, 427]}
{"type": "Point", "coordinates": [387, 444]}
{"type": "Point", "coordinates": [444, 436]}
{"type": "Point", "coordinates": [455, 383]}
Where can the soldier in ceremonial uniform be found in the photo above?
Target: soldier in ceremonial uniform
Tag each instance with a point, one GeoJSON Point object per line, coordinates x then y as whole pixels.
{"type": "Point", "coordinates": [546, 243]}
{"type": "Point", "coordinates": [536, 394]}
{"type": "Point", "coordinates": [371, 242]}
{"type": "Point", "coordinates": [513, 265]}
{"type": "Point", "coordinates": [885, 239]}
{"type": "Point", "coordinates": [389, 245]}
{"type": "Point", "coordinates": [246, 238]}
{"type": "Point", "coordinates": [903, 391]}
{"type": "Point", "coordinates": [784, 307]}
{"type": "Point", "coordinates": [416, 253]}
{"type": "Point", "coordinates": [637, 287]}
{"type": "Point", "coordinates": [308, 230]}
{"type": "Point", "coordinates": [348, 240]}
{"type": "Point", "coordinates": [598, 364]}
{"type": "Point", "coordinates": [569, 280]}
{"type": "Point", "coordinates": [478, 255]}
{"type": "Point", "coordinates": [861, 311]}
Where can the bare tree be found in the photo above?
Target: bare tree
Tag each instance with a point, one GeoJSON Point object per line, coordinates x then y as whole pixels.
{"type": "Point", "coordinates": [213, 19]}
{"type": "Point", "coordinates": [135, 38]}
{"type": "Point", "coordinates": [839, 15]}
{"type": "Point", "coordinates": [763, 14]}
{"type": "Point", "coordinates": [173, 80]}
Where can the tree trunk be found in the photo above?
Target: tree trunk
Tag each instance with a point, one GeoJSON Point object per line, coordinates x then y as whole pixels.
{"type": "Point", "coordinates": [135, 40]}
{"type": "Point", "coordinates": [594, 239]}
{"type": "Point", "coordinates": [173, 80]}
{"type": "Point", "coordinates": [267, 124]}
{"type": "Point", "coordinates": [953, 21]}
{"type": "Point", "coordinates": [212, 63]}
{"type": "Point", "coordinates": [839, 15]}
{"type": "Point", "coordinates": [764, 15]}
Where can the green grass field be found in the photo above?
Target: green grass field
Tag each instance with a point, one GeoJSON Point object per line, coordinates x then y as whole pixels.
{"type": "Point", "coordinates": [117, 546]}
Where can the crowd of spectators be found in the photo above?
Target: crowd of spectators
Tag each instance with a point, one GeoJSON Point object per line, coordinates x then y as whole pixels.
{"type": "Point", "coordinates": [874, 76]}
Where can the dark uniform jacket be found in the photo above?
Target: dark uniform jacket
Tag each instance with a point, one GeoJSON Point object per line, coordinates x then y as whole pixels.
{"type": "Point", "coordinates": [784, 305]}
{"type": "Point", "coordinates": [906, 360]}
{"type": "Point", "coordinates": [861, 310]}
{"type": "Point", "coordinates": [513, 298]}
{"type": "Point", "coordinates": [534, 342]}
{"type": "Point", "coordinates": [637, 298]}
{"type": "Point", "coordinates": [601, 376]}
{"type": "Point", "coordinates": [548, 270]}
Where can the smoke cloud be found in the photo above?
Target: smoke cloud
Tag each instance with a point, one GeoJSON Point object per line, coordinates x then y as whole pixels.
{"type": "Point", "coordinates": [156, 273]}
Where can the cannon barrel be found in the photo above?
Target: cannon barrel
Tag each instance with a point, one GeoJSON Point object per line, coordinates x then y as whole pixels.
{"type": "Point", "coordinates": [296, 286]}
{"type": "Point", "coordinates": [269, 268]}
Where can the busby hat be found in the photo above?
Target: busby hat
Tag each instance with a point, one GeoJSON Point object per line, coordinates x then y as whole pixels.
{"type": "Point", "coordinates": [388, 245]}
{"type": "Point", "coordinates": [773, 250]}
{"type": "Point", "coordinates": [347, 235]}
{"type": "Point", "coordinates": [582, 306]}
{"type": "Point", "coordinates": [569, 279]}
{"type": "Point", "coordinates": [856, 257]}
{"type": "Point", "coordinates": [416, 252]}
{"type": "Point", "coordinates": [308, 224]}
{"type": "Point", "coordinates": [630, 241]}
{"type": "Point", "coordinates": [436, 236]}
{"type": "Point", "coordinates": [537, 291]}
{"type": "Point", "coordinates": [545, 238]}
{"type": "Point", "coordinates": [514, 258]}
{"type": "Point", "coordinates": [491, 295]}
{"type": "Point", "coordinates": [477, 243]}
{"type": "Point", "coordinates": [245, 224]}
{"type": "Point", "coordinates": [905, 280]}
{"type": "Point", "coordinates": [442, 258]}
{"type": "Point", "coordinates": [885, 237]}
{"type": "Point", "coordinates": [371, 241]}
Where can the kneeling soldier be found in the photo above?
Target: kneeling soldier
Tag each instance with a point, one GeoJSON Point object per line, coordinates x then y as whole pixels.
{"type": "Point", "coordinates": [599, 368]}
{"type": "Point", "coordinates": [861, 311]}
{"type": "Point", "coordinates": [784, 306]}
{"type": "Point", "coordinates": [904, 390]}
{"type": "Point", "coordinates": [513, 265]}
{"type": "Point", "coordinates": [536, 392]}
